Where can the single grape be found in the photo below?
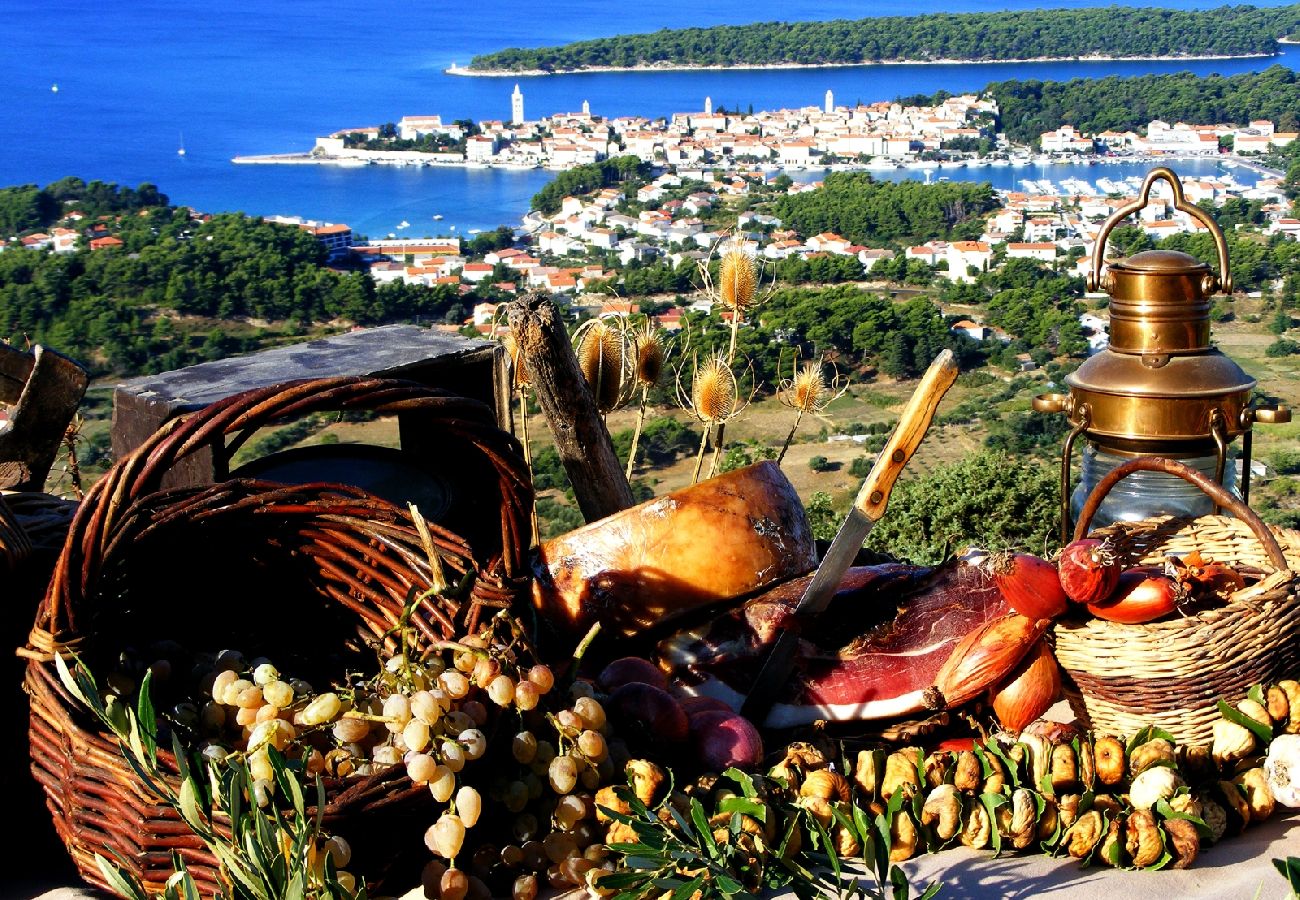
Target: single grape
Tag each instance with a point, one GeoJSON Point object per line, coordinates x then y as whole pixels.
{"type": "Point", "coordinates": [501, 690]}
{"type": "Point", "coordinates": [592, 713]}
{"type": "Point", "coordinates": [232, 660]}
{"type": "Point", "coordinates": [468, 805]}
{"type": "Point", "coordinates": [524, 888]}
{"type": "Point", "coordinates": [266, 713]}
{"type": "Point", "coordinates": [225, 678]}
{"type": "Point", "coordinates": [346, 880]}
{"type": "Point", "coordinates": [458, 720]}
{"type": "Point", "coordinates": [386, 755]}
{"type": "Point", "coordinates": [527, 696]}
{"type": "Point", "coordinates": [265, 674]}
{"type": "Point", "coordinates": [574, 869]}
{"type": "Point", "coordinates": [424, 706]}
{"type": "Point", "coordinates": [395, 663]}
{"type": "Point", "coordinates": [324, 708]}
{"type": "Point", "coordinates": [474, 742]}
{"type": "Point", "coordinates": [421, 767]}
{"type": "Point", "coordinates": [454, 885]}
{"type": "Point", "coordinates": [230, 696]}
{"type": "Point", "coordinates": [476, 711]}
{"type": "Point", "coordinates": [512, 855]}
{"type": "Point", "coordinates": [416, 735]}
{"type": "Point", "coordinates": [263, 790]}
{"type": "Point", "coordinates": [592, 745]}
{"type": "Point", "coordinates": [541, 676]}
{"type": "Point", "coordinates": [442, 783]}
{"type": "Point", "coordinates": [455, 684]}
{"type": "Point", "coordinates": [453, 755]}
{"type": "Point", "coordinates": [448, 836]}
{"type": "Point", "coordinates": [516, 796]}
{"type": "Point", "coordinates": [570, 722]}
{"type": "Point", "coordinates": [524, 747]}
{"type": "Point", "coordinates": [562, 774]}
{"type": "Point", "coordinates": [348, 731]}
{"type": "Point", "coordinates": [397, 709]}
{"type": "Point", "coordinates": [485, 669]}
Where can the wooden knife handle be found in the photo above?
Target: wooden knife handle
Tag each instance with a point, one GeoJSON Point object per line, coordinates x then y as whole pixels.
{"type": "Point", "coordinates": [907, 436]}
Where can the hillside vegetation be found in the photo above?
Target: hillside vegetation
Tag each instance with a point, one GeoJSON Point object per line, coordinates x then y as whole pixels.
{"type": "Point", "coordinates": [1028, 34]}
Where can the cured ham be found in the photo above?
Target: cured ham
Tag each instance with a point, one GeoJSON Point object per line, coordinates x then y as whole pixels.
{"type": "Point", "coordinates": [872, 654]}
{"type": "Point", "coordinates": [719, 540]}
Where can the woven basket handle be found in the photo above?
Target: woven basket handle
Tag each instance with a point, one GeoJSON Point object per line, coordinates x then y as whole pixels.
{"type": "Point", "coordinates": [1217, 492]}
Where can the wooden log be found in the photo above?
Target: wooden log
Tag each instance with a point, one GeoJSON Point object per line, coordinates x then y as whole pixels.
{"type": "Point", "coordinates": [581, 439]}
{"type": "Point", "coordinates": [46, 389]}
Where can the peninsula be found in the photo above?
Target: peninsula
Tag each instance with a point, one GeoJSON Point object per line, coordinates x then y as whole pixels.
{"type": "Point", "coordinates": [1113, 32]}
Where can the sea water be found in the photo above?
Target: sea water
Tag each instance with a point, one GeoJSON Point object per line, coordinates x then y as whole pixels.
{"type": "Point", "coordinates": [137, 82]}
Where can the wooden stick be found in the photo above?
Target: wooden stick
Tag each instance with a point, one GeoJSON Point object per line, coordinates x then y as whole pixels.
{"type": "Point", "coordinates": [581, 439]}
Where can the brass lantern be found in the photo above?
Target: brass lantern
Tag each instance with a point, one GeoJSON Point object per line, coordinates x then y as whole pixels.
{"type": "Point", "coordinates": [1160, 388]}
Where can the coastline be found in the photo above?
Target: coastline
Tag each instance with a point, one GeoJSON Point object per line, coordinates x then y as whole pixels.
{"type": "Point", "coordinates": [667, 67]}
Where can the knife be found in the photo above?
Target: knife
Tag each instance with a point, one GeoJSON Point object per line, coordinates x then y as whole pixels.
{"type": "Point", "coordinates": [867, 509]}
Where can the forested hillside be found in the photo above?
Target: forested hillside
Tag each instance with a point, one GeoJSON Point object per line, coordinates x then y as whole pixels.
{"type": "Point", "coordinates": [1114, 31]}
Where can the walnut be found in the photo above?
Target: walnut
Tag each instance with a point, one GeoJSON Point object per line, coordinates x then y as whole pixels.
{"type": "Point", "coordinates": [1184, 842]}
{"type": "Point", "coordinates": [1108, 756]}
{"type": "Point", "coordinates": [1083, 835]}
{"type": "Point", "coordinates": [1259, 796]}
{"type": "Point", "coordinates": [1144, 756]}
{"type": "Point", "coordinates": [942, 810]}
{"type": "Point", "coordinates": [978, 832]}
{"type": "Point", "coordinates": [966, 773]}
{"type": "Point", "coordinates": [1142, 838]}
{"type": "Point", "coordinates": [1232, 742]}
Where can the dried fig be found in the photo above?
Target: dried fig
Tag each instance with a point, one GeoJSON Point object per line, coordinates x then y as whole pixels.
{"type": "Point", "coordinates": [1107, 803]}
{"type": "Point", "coordinates": [966, 772]}
{"type": "Point", "coordinates": [1157, 751]}
{"type": "Point", "coordinates": [1279, 706]}
{"type": "Point", "coordinates": [819, 808]}
{"type": "Point", "coordinates": [1234, 801]}
{"type": "Point", "coordinates": [1291, 688]}
{"type": "Point", "coordinates": [1231, 743]}
{"type": "Point", "coordinates": [1049, 820]}
{"type": "Point", "coordinates": [935, 768]}
{"type": "Point", "coordinates": [847, 844]}
{"type": "Point", "coordinates": [869, 771]}
{"type": "Point", "coordinates": [997, 778]}
{"type": "Point", "coordinates": [901, 773]}
{"type": "Point", "coordinates": [977, 832]}
{"type": "Point", "coordinates": [1111, 851]}
{"type": "Point", "coordinates": [1064, 772]}
{"type": "Point", "coordinates": [903, 837]}
{"type": "Point", "coordinates": [942, 811]}
{"type": "Point", "coordinates": [607, 799]}
{"type": "Point", "coordinates": [1215, 818]}
{"type": "Point", "coordinates": [1142, 838]}
{"type": "Point", "coordinates": [1087, 766]}
{"type": "Point", "coordinates": [647, 780]}
{"type": "Point", "coordinates": [1259, 796]}
{"type": "Point", "coordinates": [1255, 710]}
{"type": "Point", "coordinates": [1084, 834]}
{"type": "Point", "coordinates": [826, 784]}
{"type": "Point", "coordinates": [1109, 758]}
{"type": "Point", "coordinates": [1068, 809]}
{"type": "Point", "coordinates": [1184, 842]}
{"type": "Point", "coordinates": [1153, 785]}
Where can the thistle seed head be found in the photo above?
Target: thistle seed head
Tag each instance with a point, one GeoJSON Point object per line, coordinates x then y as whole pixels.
{"type": "Point", "coordinates": [602, 356]}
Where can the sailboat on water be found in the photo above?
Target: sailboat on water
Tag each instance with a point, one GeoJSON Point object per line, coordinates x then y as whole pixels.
{"type": "Point", "coordinates": [180, 151]}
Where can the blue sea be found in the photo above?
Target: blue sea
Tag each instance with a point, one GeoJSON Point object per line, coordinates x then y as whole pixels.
{"type": "Point", "coordinates": [138, 80]}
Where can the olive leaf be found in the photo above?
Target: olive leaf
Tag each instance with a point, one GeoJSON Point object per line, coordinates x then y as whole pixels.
{"type": "Point", "coordinates": [1264, 733]}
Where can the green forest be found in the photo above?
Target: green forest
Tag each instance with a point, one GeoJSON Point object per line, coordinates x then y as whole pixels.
{"type": "Point", "coordinates": [155, 303]}
{"type": "Point", "coordinates": [866, 211]}
{"type": "Point", "coordinates": [1117, 31]}
{"type": "Point", "coordinates": [1028, 108]}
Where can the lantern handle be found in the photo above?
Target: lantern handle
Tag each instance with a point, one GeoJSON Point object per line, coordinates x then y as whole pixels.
{"type": "Point", "coordinates": [1163, 173]}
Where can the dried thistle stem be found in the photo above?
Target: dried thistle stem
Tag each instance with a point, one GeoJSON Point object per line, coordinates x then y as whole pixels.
{"type": "Point", "coordinates": [699, 457]}
{"type": "Point", "coordinates": [636, 431]}
{"type": "Point", "coordinates": [717, 448]}
{"type": "Point", "coordinates": [528, 455]}
{"type": "Point", "coordinates": [790, 437]}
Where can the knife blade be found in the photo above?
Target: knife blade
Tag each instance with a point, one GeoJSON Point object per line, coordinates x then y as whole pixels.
{"type": "Point", "coordinates": [868, 508]}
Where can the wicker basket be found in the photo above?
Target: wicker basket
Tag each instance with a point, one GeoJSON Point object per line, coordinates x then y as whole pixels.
{"type": "Point", "coordinates": [296, 572]}
{"type": "Point", "coordinates": [1170, 673]}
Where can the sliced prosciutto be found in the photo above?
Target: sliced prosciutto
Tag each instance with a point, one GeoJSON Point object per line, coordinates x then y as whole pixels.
{"type": "Point", "coordinates": [871, 655]}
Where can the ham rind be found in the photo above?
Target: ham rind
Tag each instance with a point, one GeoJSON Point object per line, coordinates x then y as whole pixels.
{"type": "Point", "coordinates": [871, 655]}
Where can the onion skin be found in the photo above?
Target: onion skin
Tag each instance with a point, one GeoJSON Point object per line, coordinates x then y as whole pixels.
{"type": "Point", "coordinates": [1140, 597]}
{"type": "Point", "coordinates": [1030, 584]}
{"type": "Point", "coordinates": [1088, 570]}
{"type": "Point", "coordinates": [1030, 691]}
{"type": "Point", "coordinates": [983, 658]}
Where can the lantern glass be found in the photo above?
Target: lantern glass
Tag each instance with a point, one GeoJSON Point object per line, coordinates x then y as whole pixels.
{"type": "Point", "coordinates": [1143, 495]}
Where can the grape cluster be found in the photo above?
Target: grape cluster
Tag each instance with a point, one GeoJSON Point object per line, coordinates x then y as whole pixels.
{"type": "Point", "coordinates": [477, 720]}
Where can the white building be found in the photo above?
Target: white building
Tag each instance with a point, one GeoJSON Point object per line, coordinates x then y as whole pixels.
{"type": "Point", "coordinates": [517, 107]}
